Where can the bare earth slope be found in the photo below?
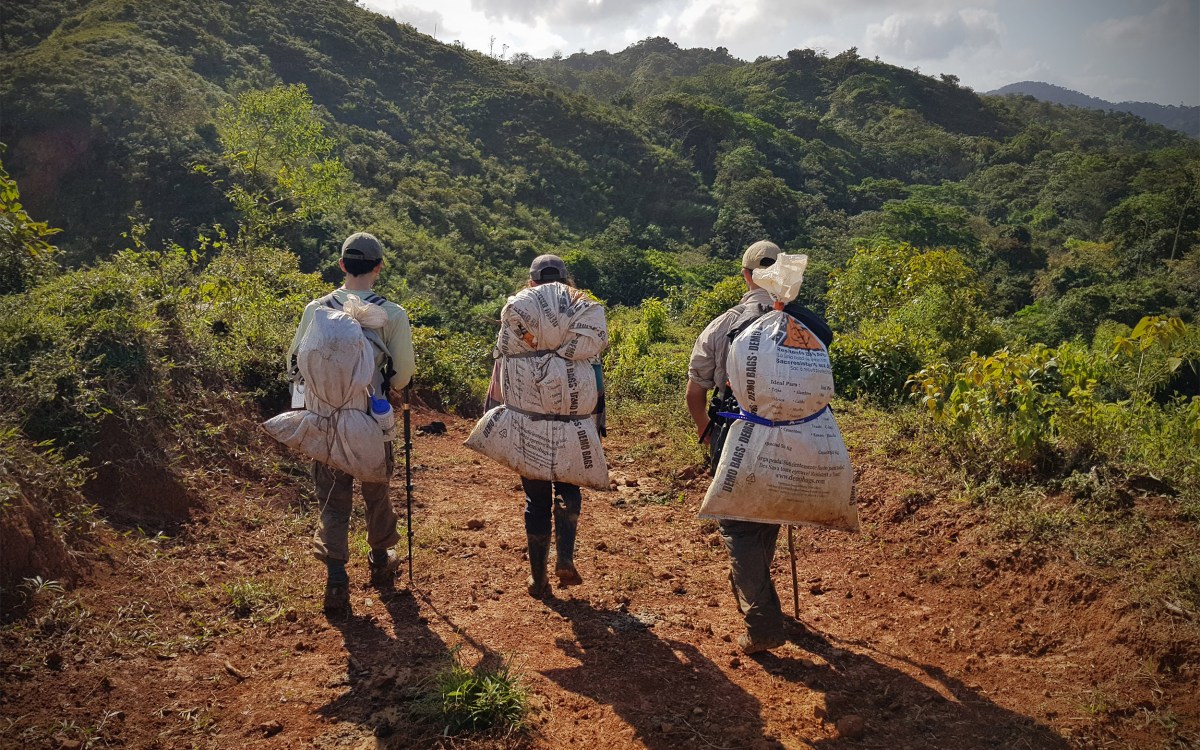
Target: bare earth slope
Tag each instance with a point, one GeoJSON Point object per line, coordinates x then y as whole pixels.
{"type": "Point", "coordinates": [918, 633]}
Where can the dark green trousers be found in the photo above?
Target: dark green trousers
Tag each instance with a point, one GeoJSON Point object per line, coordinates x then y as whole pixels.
{"type": "Point", "coordinates": [751, 549]}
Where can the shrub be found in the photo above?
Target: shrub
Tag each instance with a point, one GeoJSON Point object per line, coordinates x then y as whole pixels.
{"type": "Point", "coordinates": [708, 305]}
{"type": "Point", "coordinates": [1010, 393]}
{"type": "Point", "coordinates": [1098, 404]}
{"type": "Point", "coordinates": [242, 311]}
{"type": "Point", "coordinates": [25, 256]}
{"type": "Point", "coordinates": [647, 359]}
{"type": "Point", "coordinates": [453, 369]}
{"type": "Point", "coordinates": [874, 362]}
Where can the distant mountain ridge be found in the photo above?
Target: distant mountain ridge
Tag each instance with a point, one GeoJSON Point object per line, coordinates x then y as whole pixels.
{"type": "Point", "coordinates": [1184, 119]}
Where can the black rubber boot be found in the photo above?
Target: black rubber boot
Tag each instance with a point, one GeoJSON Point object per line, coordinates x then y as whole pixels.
{"type": "Point", "coordinates": [566, 524]}
{"type": "Point", "coordinates": [539, 551]}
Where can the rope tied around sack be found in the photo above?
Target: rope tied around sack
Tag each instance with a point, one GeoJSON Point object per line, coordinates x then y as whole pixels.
{"type": "Point", "coordinates": [750, 416]}
{"type": "Point", "coordinates": [535, 353]}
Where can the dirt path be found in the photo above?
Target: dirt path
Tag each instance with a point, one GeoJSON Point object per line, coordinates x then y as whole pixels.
{"type": "Point", "coordinates": [918, 633]}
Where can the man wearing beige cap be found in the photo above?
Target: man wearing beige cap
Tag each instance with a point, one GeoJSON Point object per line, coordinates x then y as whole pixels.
{"type": "Point", "coordinates": [751, 545]}
{"type": "Point", "coordinates": [361, 261]}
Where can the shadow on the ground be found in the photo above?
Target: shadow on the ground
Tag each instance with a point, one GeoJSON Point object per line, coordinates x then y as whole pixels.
{"type": "Point", "coordinates": [654, 685]}
{"type": "Point", "coordinates": [899, 709]}
{"type": "Point", "coordinates": [386, 666]}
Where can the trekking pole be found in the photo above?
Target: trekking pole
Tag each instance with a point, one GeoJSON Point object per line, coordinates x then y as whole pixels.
{"type": "Point", "coordinates": [408, 486]}
{"type": "Point", "coordinates": [795, 585]}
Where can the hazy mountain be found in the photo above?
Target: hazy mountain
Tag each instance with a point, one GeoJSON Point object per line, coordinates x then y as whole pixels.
{"type": "Point", "coordinates": [1183, 119]}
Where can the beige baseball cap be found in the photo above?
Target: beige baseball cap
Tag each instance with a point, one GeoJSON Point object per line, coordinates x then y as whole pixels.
{"type": "Point", "coordinates": [760, 255]}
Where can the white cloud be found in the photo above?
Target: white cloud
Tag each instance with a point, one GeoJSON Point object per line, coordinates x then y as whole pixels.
{"type": "Point", "coordinates": [425, 20]}
{"type": "Point", "coordinates": [1170, 19]}
{"type": "Point", "coordinates": [566, 11]}
{"type": "Point", "coordinates": [1153, 54]}
{"type": "Point", "coordinates": [933, 36]}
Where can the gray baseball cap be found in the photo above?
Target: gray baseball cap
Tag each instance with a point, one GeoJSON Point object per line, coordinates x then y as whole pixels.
{"type": "Point", "coordinates": [548, 268]}
{"type": "Point", "coordinates": [362, 246]}
{"type": "Point", "coordinates": [760, 255]}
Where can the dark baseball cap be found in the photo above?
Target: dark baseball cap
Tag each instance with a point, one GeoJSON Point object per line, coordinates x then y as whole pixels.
{"type": "Point", "coordinates": [548, 268]}
{"type": "Point", "coordinates": [362, 246]}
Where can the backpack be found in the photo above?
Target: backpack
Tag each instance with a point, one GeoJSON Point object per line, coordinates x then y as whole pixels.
{"type": "Point", "coordinates": [386, 371]}
{"type": "Point", "coordinates": [334, 424]}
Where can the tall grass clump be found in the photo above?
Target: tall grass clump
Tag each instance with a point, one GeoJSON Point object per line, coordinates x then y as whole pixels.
{"type": "Point", "coordinates": [483, 699]}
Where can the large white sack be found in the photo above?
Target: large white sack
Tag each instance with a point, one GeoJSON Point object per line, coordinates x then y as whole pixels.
{"type": "Point", "coordinates": [798, 474]}
{"type": "Point", "coordinates": [549, 384]}
{"type": "Point", "coordinates": [335, 428]}
{"type": "Point", "coordinates": [552, 317]}
{"type": "Point", "coordinates": [352, 441]}
{"type": "Point", "coordinates": [553, 450]}
{"type": "Point", "coordinates": [780, 370]}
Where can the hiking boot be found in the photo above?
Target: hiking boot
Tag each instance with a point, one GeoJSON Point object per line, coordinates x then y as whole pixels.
{"type": "Point", "coordinates": [539, 551]}
{"type": "Point", "coordinates": [750, 645]}
{"type": "Point", "coordinates": [383, 573]}
{"type": "Point", "coordinates": [337, 599]}
{"type": "Point", "coordinates": [565, 526]}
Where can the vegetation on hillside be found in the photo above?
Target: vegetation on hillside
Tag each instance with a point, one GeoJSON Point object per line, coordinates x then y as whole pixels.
{"type": "Point", "coordinates": [1025, 274]}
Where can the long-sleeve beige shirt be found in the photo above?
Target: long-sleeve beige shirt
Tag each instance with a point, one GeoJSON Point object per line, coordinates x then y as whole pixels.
{"type": "Point", "coordinates": [707, 366]}
{"type": "Point", "coordinates": [396, 335]}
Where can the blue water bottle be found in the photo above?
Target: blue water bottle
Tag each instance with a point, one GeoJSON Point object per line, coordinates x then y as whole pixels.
{"type": "Point", "coordinates": [381, 410]}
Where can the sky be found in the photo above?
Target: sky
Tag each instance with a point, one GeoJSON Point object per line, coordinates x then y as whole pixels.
{"type": "Point", "coordinates": [1119, 50]}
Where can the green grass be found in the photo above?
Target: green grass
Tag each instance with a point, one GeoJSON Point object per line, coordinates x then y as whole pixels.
{"type": "Point", "coordinates": [484, 699]}
{"type": "Point", "coordinates": [254, 601]}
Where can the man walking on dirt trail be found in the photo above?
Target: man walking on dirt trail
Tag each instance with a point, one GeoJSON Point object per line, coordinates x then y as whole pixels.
{"type": "Point", "coordinates": [361, 261]}
{"type": "Point", "coordinates": [751, 545]}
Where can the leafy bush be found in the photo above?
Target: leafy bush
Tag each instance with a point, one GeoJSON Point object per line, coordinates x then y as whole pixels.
{"type": "Point", "coordinates": [85, 344]}
{"type": "Point", "coordinates": [453, 369]}
{"type": "Point", "coordinates": [707, 305]}
{"type": "Point", "coordinates": [242, 311]}
{"type": "Point", "coordinates": [933, 294]}
{"type": "Point", "coordinates": [1098, 404]}
{"type": "Point", "coordinates": [1011, 394]}
{"type": "Point", "coordinates": [25, 255]}
{"type": "Point", "coordinates": [648, 356]}
{"type": "Point", "coordinates": [874, 362]}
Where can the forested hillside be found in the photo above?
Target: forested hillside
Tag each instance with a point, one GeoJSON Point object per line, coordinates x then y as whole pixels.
{"type": "Point", "coordinates": [1013, 286]}
{"type": "Point", "coordinates": [1176, 117]}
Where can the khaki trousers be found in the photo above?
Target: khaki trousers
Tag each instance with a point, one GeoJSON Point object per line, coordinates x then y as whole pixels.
{"type": "Point", "coordinates": [335, 494]}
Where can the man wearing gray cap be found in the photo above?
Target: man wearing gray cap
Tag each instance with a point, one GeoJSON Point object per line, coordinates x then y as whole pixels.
{"type": "Point", "coordinates": [361, 261]}
{"type": "Point", "coordinates": [751, 545]}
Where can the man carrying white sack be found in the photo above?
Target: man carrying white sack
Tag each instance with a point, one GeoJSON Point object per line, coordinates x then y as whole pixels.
{"type": "Point", "coordinates": [751, 545]}
{"type": "Point", "coordinates": [545, 411]}
{"type": "Point", "coordinates": [362, 262]}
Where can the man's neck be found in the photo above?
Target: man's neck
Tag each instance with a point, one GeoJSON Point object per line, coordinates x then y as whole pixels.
{"type": "Point", "coordinates": [357, 284]}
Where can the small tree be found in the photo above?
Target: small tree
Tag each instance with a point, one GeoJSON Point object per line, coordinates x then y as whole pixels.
{"type": "Point", "coordinates": [275, 144]}
{"type": "Point", "coordinates": [25, 255]}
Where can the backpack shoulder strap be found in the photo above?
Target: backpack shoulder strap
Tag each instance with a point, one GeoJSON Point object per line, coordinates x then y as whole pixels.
{"type": "Point", "coordinates": [747, 315]}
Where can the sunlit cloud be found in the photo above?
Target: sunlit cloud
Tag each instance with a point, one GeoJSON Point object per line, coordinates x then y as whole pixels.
{"type": "Point", "coordinates": [910, 37]}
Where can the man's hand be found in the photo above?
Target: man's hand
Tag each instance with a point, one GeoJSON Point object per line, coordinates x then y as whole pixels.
{"type": "Point", "coordinates": [703, 433]}
{"type": "Point", "coordinates": [396, 397]}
